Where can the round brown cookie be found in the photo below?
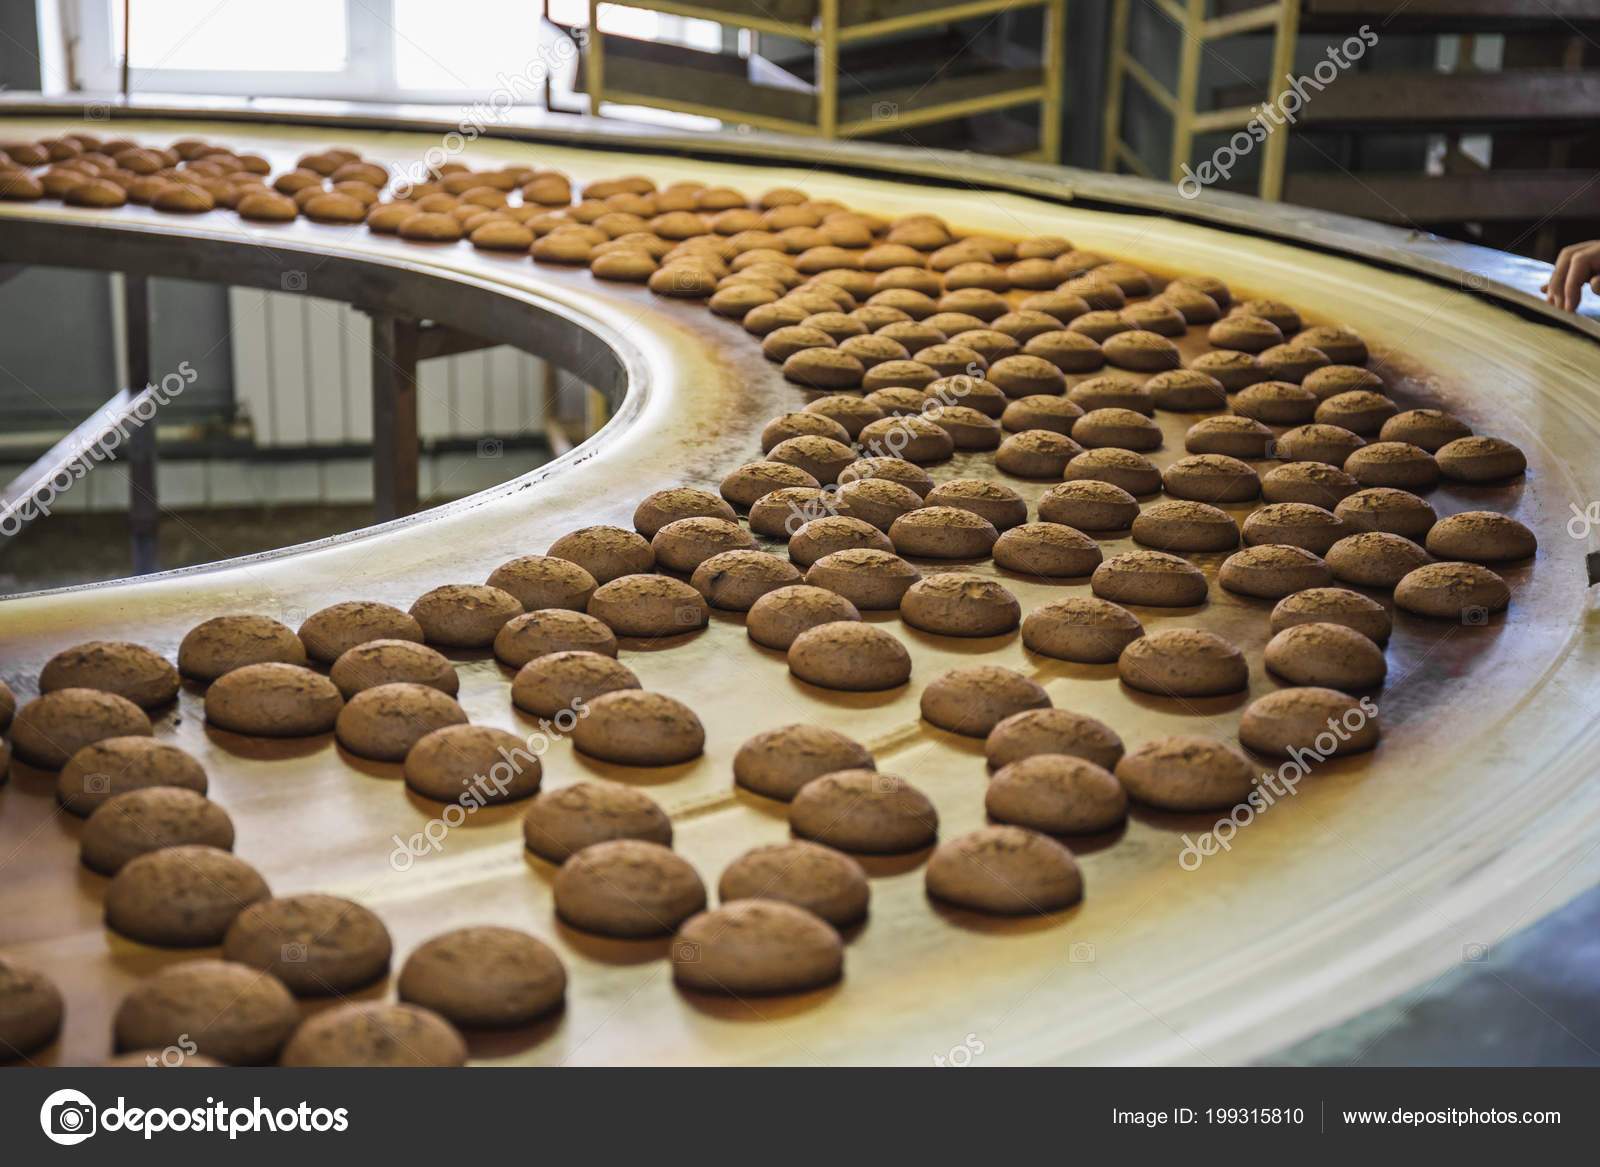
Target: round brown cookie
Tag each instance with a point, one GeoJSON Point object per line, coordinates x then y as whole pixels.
{"type": "Point", "coordinates": [1037, 453]}
{"type": "Point", "coordinates": [1339, 343]}
{"type": "Point", "coordinates": [878, 501]}
{"type": "Point", "coordinates": [684, 544]}
{"type": "Point", "coordinates": [50, 729]}
{"type": "Point", "coordinates": [633, 727]}
{"type": "Point", "coordinates": [1388, 509]}
{"type": "Point", "coordinates": [567, 680]}
{"type": "Point", "coordinates": [1047, 550]}
{"type": "Point", "coordinates": [1276, 403]}
{"type": "Point", "coordinates": [1293, 362]}
{"type": "Point", "coordinates": [317, 945]}
{"type": "Point", "coordinates": [1329, 605]}
{"type": "Point", "coordinates": [535, 634]}
{"type": "Point", "coordinates": [973, 699]}
{"type": "Point", "coordinates": [1332, 380]}
{"type": "Point", "coordinates": [913, 333]}
{"type": "Point", "coordinates": [375, 1033]}
{"type": "Point", "coordinates": [1186, 773]}
{"type": "Point", "coordinates": [1068, 350]}
{"type": "Point", "coordinates": [1152, 578]}
{"type": "Point", "coordinates": [273, 700]}
{"type": "Point", "coordinates": [238, 1015]}
{"type": "Point", "coordinates": [113, 666]}
{"type": "Point", "coordinates": [1051, 731]}
{"type": "Point", "coordinates": [825, 882]}
{"type": "Point", "coordinates": [1155, 316]}
{"type": "Point", "coordinates": [474, 764]}
{"type": "Point", "coordinates": [1244, 332]}
{"type": "Point", "coordinates": [1026, 374]}
{"type": "Point", "coordinates": [1273, 570]}
{"type": "Point", "coordinates": [1100, 294]}
{"type": "Point", "coordinates": [912, 477]}
{"type": "Point", "coordinates": [1468, 592]}
{"type": "Point", "coordinates": [765, 318]}
{"type": "Point", "coordinates": [1185, 526]}
{"type": "Point", "coordinates": [1142, 350]}
{"type": "Point", "coordinates": [181, 897]}
{"type": "Point", "coordinates": [1297, 524]}
{"type": "Point", "coordinates": [734, 580]}
{"type": "Point", "coordinates": [1124, 429]}
{"type": "Point", "coordinates": [560, 823]}
{"type": "Point", "coordinates": [823, 368]}
{"type": "Point", "coordinates": [1183, 662]}
{"type": "Point", "coordinates": [1112, 392]}
{"type": "Point", "coordinates": [994, 347]}
{"type": "Point", "coordinates": [1230, 434]}
{"type": "Point", "coordinates": [383, 662]}
{"type": "Point", "coordinates": [1428, 429]}
{"type": "Point", "coordinates": [464, 615]}
{"type": "Point", "coordinates": [101, 771]}
{"type": "Point", "coordinates": [1089, 505]}
{"type": "Point", "coordinates": [1100, 325]}
{"type": "Point", "coordinates": [484, 977]}
{"type": "Point", "coordinates": [628, 888]}
{"type": "Point", "coordinates": [869, 579]}
{"type": "Point", "coordinates": [1038, 412]}
{"type": "Point", "coordinates": [822, 458]}
{"type": "Point", "coordinates": [913, 438]}
{"type": "Point", "coordinates": [1481, 537]}
{"type": "Point", "coordinates": [1480, 459]}
{"type": "Point", "coordinates": [649, 606]}
{"type": "Point", "coordinates": [30, 1009]}
{"type": "Point", "coordinates": [960, 604]}
{"type": "Point", "coordinates": [1192, 304]}
{"type": "Point", "coordinates": [1212, 478]}
{"type": "Point", "coordinates": [897, 401]}
{"type": "Point", "coordinates": [749, 483]}
{"type": "Point", "coordinates": [832, 533]}
{"type": "Point", "coordinates": [778, 762]}
{"type": "Point", "coordinates": [1057, 794]}
{"type": "Point", "coordinates": [969, 429]}
{"type": "Point", "coordinates": [849, 656]}
{"type": "Point", "coordinates": [847, 410]}
{"type": "Point", "coordinates": [1317, 483]}
{"type": "Point", "coordinates": [140, 821]}
{"type": "Point", "coordinates": [1085, 629]}
{"type": "Point", "coordinates": [975, 393]}
{"type": "Point", "coordinates": [1290, 723]}
{"type": "Point", "coordinates": [942, 532]}
{"type": "Point", "coordinates": [1361, 411]}
{"type": "Point", "coordinates": [1374, 559]}
{"type": "Point", "coordinates": [1329, 655]}
{"type": "Point", "coordinates": [1235, 370]}
{"type": "Point", "coordinates": [1005, 871]}
{"type": "Point", "coordinates": [864, 811]}
{"type": "Point", "coordinates": [1319, 443]}
{"type": "Point", "coordinates": [994, 501]}
{"type": "Point", "coordinates": [212, 648]}
{"type": "Point", "coordinates": [1282, 316]}
{"type": "Point", "coordinates": [385, 721]}
{"type": "Point", "coordinates": [1026, 323]}
{"type": "Point", "coordinates": [780, 616]}
{"type": "Point", "coordinates": [678, 502]}
{"type": "Point", "coordinates": [1210, 286]}
{"type": "Point", "coordinates": [1393, 464]}
{"type": "Point", "coordinates": [757, 946]}
{"type": "Point", "coordinates": [1133, 473]}
{"type": "Point", "coordinates": [331, 632]}
{"type": "Point", "coordinates": [542, 581]}
{"type": "Point", "coordinates": [872, 350]}
{"type": "Point", "coordinates": [780, 513]}
{"type": "Point", "coordinates": [605, 552]}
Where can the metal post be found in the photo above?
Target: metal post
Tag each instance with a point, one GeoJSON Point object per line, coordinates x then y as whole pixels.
{"type": "Point", "coordinates": [144, 511]}
{"type": "Point", "coordinates": [394, 416]}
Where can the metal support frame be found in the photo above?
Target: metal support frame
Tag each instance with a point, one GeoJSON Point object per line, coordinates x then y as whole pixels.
{"type": "Point", "coordinates": [395, 343]}
{"type": "Point", "coordinates": [1281, 19]}
{"type": "Point", "coordinates": [144, 510]}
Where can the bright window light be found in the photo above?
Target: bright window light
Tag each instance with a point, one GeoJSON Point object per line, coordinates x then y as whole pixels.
{"type": "Point", "coordinates": [211, 35]}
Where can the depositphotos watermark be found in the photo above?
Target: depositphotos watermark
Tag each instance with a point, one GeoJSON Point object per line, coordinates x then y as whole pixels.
{"type": "Point", "coordinates": [1272, 115]}
{"type": "Point", "coordinates": [42, 501]}
{"type": "Point", "coordinates": [1284, 783]}
{"type": "Point", "coordinates": [68, 1117]}
{"type": "Point", "coordinates": [484, 789]}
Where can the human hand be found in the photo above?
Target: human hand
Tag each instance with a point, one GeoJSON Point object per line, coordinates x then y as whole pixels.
{"type": "Point", "coordinates": [1575, 266]}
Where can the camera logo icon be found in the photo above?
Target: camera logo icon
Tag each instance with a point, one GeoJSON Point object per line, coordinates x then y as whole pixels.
{"type": "Point", "coordinates": [96, 111]}
{"type": "Point", "coordinates": [68, 1117]}
{"type": "Point", "coordinates": [97, 783]}
{"type": "Point", "coordinates": [294, 281]}
{"type": "Point", "coordinates": [293, 953]}
{"type": "Point", "coordinates": [685, 952]}
{"type": "Point", "coordinates": [491, 447]}
{"type": "Point", "coordinates": [1474, 617]}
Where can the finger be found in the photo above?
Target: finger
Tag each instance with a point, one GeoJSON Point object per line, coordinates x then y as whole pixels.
{"type": "Point", "coordinates": [1584, 265]}
{"type": "Point", "coordinates": [1558, 277]}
